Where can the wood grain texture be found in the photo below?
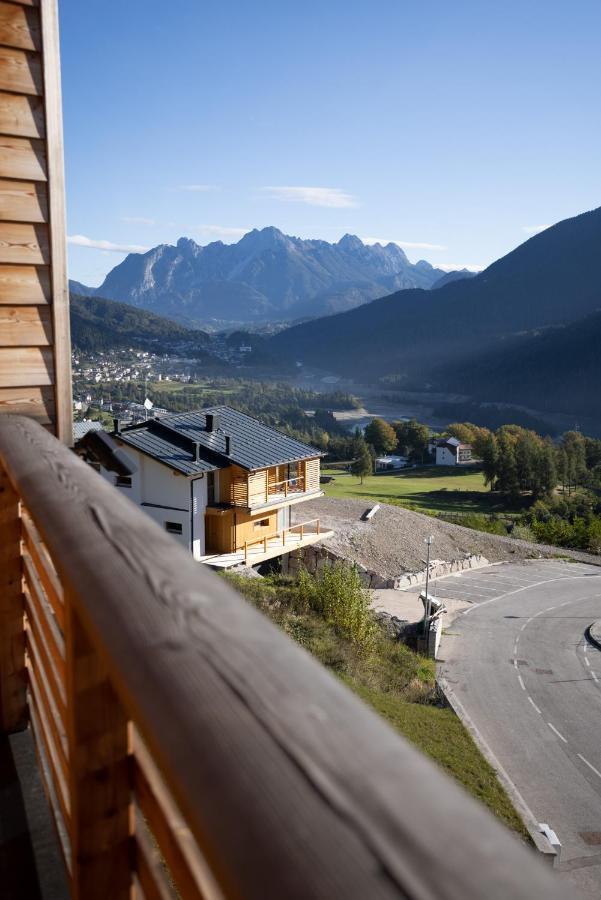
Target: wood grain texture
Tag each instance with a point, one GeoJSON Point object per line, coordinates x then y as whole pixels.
{"type": "Point", "coordinates": [57, 222]}
{"type": "Point", "coordinates": [26, 366]}
{"type": "Point", "coordinates": [20, 71]}
{"type": "Point", "coordinates": [38, 403]}
{"type": "Point", "coordinates": [290, 785]}
{"type": "Point", "coordinates": [19, 27]}
{"type": "Point", "coordinates": [23, 201]}
{"type": "Point", "coordinates": [168, 827]}
{"type": "Point", "coordinates": [20, 243]}
{"type": "Point", "coordinates": [13, 703]}
{"type": "Point", "coordinates": [22, 158]}
{"type": "Point", "coordinates": [25, 326]}
{"type": "Point", "coordinates": [98, 774]}
{"type": "Point", "coordinates": [44, 568]}
{"type": "Point", "coordinates": [24, 285]}
{"type": "Point", "coordinates": [21, 116]}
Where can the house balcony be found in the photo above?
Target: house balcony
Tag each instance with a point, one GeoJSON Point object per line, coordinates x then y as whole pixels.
{"type": "Point", "coordinates": [266, 489]}
{"type": "Point", "coordinates": [268, 546]}
{"type": "Point", "coordinates": [186, 746]}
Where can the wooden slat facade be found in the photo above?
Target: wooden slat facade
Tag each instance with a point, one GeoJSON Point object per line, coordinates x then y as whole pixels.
{"type": "Point", "coordinates": [35, 365]}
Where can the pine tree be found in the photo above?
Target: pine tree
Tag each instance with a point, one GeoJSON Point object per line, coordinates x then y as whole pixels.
{"type": "Point", "coordinates": [362, 465]}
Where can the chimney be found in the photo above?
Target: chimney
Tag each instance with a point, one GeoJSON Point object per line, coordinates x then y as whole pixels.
{"type": "Point", "coordinates": [116, 426]}
{"type": "Point", "coordinates": [228, 445]}
{"type": "Point", "coordinates": [212, 422]}
{"type": "Point", "coordinates": [196, 451]}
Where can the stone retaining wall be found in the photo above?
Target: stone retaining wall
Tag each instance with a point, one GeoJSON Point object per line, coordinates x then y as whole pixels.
{"type": "Point", "coordinates": [316, 557]}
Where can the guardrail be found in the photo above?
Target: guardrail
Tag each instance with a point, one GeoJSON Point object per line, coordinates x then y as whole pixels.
{"type": "Point", "coordinates": [185, 740]}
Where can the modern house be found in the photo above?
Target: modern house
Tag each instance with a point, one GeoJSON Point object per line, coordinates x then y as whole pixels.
{"type": "Point", "coordinates": [222, 483]}
{"type": "Point", "coordinates": [390, 463]}
{"type": "Point", "coordinates": [452, 452]}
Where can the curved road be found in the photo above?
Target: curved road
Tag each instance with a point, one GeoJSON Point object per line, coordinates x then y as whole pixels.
{"type": "Point", "coordinates": [518, 662]}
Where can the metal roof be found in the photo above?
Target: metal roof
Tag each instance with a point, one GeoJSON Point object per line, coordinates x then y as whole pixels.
{"type": "Point", "coordinates": [80, 429]}
{"type": "Point", "coordinates": [171, 440]}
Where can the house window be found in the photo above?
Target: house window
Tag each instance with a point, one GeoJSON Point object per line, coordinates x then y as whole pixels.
{"type": "Point", "coordinates": [261, 523]}
{"type": "Point", "coordinates": [123, 481]}
{"type": "Point", "coordinates": [174, 527]}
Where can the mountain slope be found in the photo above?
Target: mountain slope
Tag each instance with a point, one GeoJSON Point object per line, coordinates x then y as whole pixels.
{"type": "Point", "coordinates": [557, 369]}
{"type": "Point", "coordinates": [553, 278]}
{"type": "Point", "coordinates": [267, 276]}
{"type": "Point", "coordinates": [99, 325]}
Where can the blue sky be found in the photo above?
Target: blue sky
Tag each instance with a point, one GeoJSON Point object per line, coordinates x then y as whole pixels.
{"type": "Point", "coordinates": [452, 128]}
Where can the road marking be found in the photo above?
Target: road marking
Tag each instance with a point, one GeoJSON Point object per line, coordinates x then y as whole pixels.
{"type": "Point", "coordinates": [515, 647]}
{"type": "Point", "coordinates": [585, 647]}
{"type": "Point", "coordinates": [524, 625]}
{"type": "Point", "coordinates": [519, 591]}
{"type": "Point", "coordinates": [558, 733]}
{"type": "Point", "coordinates": [587, 763]}
{"type": "Point", "coordinates": [549, 608]}
{"type": "Point", "coordinates": [515, 664]}
{"type": "Point", "coordinates": [594, 676]}
{"type": "Point", "coordinates": [535, 706]}
{"type": "Point", "coordinates": [522, 685]}
{"type": "Point", "coordinates": [586, 659]}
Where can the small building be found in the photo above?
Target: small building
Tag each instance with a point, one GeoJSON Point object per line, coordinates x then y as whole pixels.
{"type": "Point", "coordinates": [222, 483]}
{"type": "Point", "coordinates": [390, 463]}
{"type": "Point", "coordinates": [453, 452]}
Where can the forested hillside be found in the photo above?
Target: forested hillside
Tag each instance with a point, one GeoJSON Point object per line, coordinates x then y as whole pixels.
{"type": "Point", "coordinates": [552, 279]}
{"type": "Point", "coordinates": [99, 325]}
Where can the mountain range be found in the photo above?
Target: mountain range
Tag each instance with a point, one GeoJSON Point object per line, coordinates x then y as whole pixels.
{"type": "Point", "coordinates": [524, 330]}
{"type": "Point", "coordinates": [267, 276]}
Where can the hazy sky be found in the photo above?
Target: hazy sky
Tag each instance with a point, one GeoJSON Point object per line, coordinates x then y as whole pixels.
{"type": "Point", "coordinates": [451, 128]}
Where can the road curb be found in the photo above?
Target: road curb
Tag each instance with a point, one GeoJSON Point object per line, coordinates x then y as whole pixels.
{"type": "Point", "coordinates": [593, 632]}
{"type": "Point", "coordinates": [542, 845]}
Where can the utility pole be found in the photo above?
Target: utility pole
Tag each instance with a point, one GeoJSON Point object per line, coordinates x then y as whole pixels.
{"type": "Point", "coordinates": [427, 541]}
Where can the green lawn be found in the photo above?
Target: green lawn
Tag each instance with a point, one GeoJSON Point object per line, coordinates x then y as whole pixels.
{"type": "Point", "coordinates": [432, 489]}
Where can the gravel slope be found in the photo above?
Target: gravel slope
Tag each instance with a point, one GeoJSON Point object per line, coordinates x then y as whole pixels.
{"type": "Point", "coordinates": [393, 542]}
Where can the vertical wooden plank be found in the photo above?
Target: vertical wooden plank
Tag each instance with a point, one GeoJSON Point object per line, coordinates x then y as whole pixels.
{"type": "Point", "coordinates": [99, 775]}
{"type": "Point", "coordinates": [56, 221]}
{"type": "Point", "coordinates": [13, 678]}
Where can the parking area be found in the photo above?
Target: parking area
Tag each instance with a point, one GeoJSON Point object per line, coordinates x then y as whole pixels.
{"type": "Point", "coordinates": [479, 585]}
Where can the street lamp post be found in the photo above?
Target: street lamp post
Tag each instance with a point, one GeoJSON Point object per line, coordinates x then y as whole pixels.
{"type": "Point", "coordinates": [428, 541]}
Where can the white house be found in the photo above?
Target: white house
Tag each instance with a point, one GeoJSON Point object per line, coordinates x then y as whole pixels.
{"type": "Point", "coordinates": [221, 483]}
{"type": "Point", "coordinates": [390, 463]}
{"type": "Point", "coordinates": [452, 452]}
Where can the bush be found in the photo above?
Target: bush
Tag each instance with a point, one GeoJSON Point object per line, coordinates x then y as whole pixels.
{"type": "Point", "coordinates": [336, 593]}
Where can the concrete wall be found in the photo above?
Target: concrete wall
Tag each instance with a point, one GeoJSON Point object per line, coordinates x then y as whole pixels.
{"type": "Point", "coordinates": [316, 557]}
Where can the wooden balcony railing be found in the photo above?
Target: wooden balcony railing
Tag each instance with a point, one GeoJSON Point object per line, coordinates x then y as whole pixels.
{"type": "Point", "coordinates": [280, 536]}
{"type": "Point", "coordinates": [186, 743]}
{"type": "Point", "coordinates": [287, 486]}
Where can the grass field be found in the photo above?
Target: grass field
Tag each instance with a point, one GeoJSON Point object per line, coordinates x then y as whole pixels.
{"type": "Point", "coordinates": [437, 489]}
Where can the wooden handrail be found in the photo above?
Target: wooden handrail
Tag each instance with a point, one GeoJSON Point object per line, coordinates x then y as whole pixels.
{"type": "Point", "coordinates": [286, 784]}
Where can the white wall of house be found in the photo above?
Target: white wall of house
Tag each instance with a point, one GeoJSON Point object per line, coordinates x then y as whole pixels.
{"type": "Point", "coordinates": [163, 495]}
{"type": "Point", "coordinates": [445, 457]}
{"type": "Point", "coordinates": [199, 505]}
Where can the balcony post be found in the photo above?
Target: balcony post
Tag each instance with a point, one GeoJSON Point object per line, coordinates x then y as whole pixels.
{"type": "Point", "coordinates": [13, 676]}
{"type": "Point", "coordinates": [99, 774]}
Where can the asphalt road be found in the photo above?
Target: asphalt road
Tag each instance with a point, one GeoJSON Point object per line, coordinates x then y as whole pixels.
{"type": "Point", "coordinates": [518, 662]}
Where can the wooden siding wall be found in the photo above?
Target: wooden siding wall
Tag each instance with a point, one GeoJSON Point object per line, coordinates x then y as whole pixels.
{"type": "Point", "coordinates": [226, 530]}
{"type": "Point", "coordinates": [35, 364]}
{"type": "Point", "coordinates": [312, 475]}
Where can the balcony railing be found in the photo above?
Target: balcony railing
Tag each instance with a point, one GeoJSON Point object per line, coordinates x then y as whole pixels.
{"type": "Point", "coordinates": [278, 538]}
{"type": "Point", "coordinates": [285, 487]}
{"type": "Point", "coordinates": [185, 741]}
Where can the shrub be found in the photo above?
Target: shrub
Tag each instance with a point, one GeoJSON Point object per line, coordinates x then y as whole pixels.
{"type": "Point", "coordinates": [336, 593]}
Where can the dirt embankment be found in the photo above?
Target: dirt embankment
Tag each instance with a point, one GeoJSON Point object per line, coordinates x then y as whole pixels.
{"type": "Point", "coordinates": [393, 542]}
